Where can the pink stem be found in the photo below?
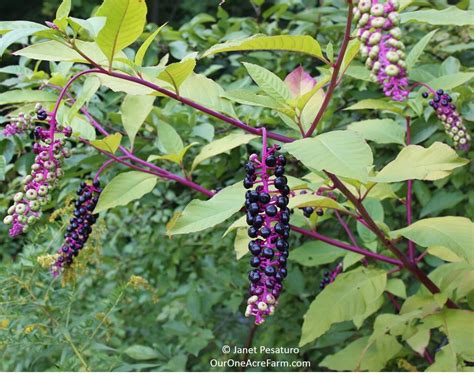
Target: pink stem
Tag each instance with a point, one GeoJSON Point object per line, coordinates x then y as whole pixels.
{"type": "Point", "coordinates": [348, 247]}
{"type": "Point", "coordinates": [335, 72]}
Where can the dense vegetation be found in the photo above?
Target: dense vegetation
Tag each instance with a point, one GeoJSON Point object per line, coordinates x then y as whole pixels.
{"type": "Point", "coordinates": [162, 282]}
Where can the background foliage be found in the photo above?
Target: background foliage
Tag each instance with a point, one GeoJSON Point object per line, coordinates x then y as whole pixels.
{"type": "Point", "coordinates": [140, 300]}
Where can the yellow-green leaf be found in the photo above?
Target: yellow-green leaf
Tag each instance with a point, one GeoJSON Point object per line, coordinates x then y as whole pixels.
{"type": "Point", "coordinates": [176, 73]}
{"type": "Point", "coordinates": [293, 43]}
{"type": "Point", "coordinates": [109, 144]}
{"type": "Point", "coordinates": [135, 109]}
{"type": "Point", "coordinates": [125, 22]}
{"type": "Point", "coordinates": [417, 162]}
{"type": "Point", "coordinates": [146, 44]}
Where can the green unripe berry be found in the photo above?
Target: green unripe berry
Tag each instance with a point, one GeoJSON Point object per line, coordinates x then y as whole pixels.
{"type": "Point", "coordinates": [395, 4]}
{"type": "Point", "coordinates": [20, 208]}
{"type": "Point", "coordinates": [365, 35]}
{"type": "Point", "coordinates": [34, 205]}
{"type": "Point", "coordinates": [8, 219]}
{"type": "Point", "coordinates": [374, 52]}
{"type": "Point", "coordinates": [376, 67]}
{"type": "Point", "coordinates": [402, 64]}
{"type": "Point", "coordinates": [39, 177]}
{"type": "Point", "coordinates": [364, 51]}
{"type": "Point", "coordinates": [396, 32]}
{"type": "Point", "coordinates": [11, 209]}
{"type": "Point", "coordinates": [356, 14]}
{"type": "Point", "coordinates": [378, 22]}
{"type": "Point", "coordinates": [42, 191]}
{"type": "Point", "coordinates": [32, 219]}
{"type": "Point", "coordinates": [35, 166]}
{"type": "Point", "coordinates": [22, 219]}
{"type": "Point", "coordinates": [365, 5]}
{"type": "Point", "coordinates": [18, 197]}
{"type": "Point", "coordinates": [25, 228]}
{"type": "Point", "coordinates": [377, 10]}
{"type": "Point", "coordinates": [31, 194]}
{"type": "Point", "coordinates": [27, 179]}
{"type": "Point", "coordinates": [392, 70]}
{"type": "Point", "coordinates": [364, 19]}
{"type": "Point", "coordinates": [394, 17]}
{"type": "Point", "coordinates": [368, 63]}
{"type": "Point", "coordinates": [392, 56]}
{"type": "Point", "coordinates": [375, 38]}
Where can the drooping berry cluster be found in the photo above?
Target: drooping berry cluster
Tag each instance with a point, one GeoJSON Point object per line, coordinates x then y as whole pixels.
{"type": "Point", "coordinates": [381, 46]}
{"type": "Point", "coordinates": [44, 175]}
{"type": "Point", "coordinates": [268, 216]}
{"type": "Point", "coordinates": [24, 122]}
{"type": "Point", "coordinates": [330, 277]}
{"type": "Point", "coordinates": [80, 226]}
{"type": "Point", "coordinates": [445, 110]}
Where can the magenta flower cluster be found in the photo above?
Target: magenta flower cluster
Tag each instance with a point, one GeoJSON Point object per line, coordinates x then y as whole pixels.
{"type": "Point", "coordinates": [381, 48]}
{"type": "Point", "coordinates": [446, 112]}
{"type": "Point", "coordinates": [44, 175]}
{"type": "Point", "coordinates": [80, 225]}
{"type": "Point", "coordinates": [268, 216]}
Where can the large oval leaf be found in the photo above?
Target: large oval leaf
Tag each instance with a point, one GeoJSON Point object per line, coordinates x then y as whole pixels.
{"type": "Point", "coordinates": [417, 162]}
{"type": "Point", "coordinates": [454, 233]}
{"type": "Point", "coordinates": [347, 297]}
{"type": "Point", "coordinates": [294, 43]}
{"type": "Point", "coordinates": [343, 153]}
{"type": "Point", "coordinates": [200, 215]}
{"type": "Point", "coordinates": [125, 187]}
{"type": "Point", "coordinates": [125, 22]}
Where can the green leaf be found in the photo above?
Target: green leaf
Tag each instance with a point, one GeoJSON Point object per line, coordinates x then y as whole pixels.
{"type": "Point", "coordinates": [382, 131]}
{"type": "Point", "coordinates": [3, 166]}
{"type": "Point", "coordinates": [82, 128]}
{"type": "Point", "coordinates": [197, 84]}
{"type": "Point", "coordinates": [132, 88]}
{"type": "Point", "coordinates": [343, 153]}
{"type": "Point", "coordinates": [200, 215]}
{"type": "Point", "coordinates": [169, 140]}
{"type": "Point", "coordinates": [373, 359]}
{"type": "Point", "coordinates": [314, 253]}
{"type": "Point", "coordinates": [124, 188]}
{"type": "Point", "coordinates": [14, 36]}
{"type": "Point", "coordinates": [445, 360]}
{"type": "Point", "coordinates": [417, 162]}
{"type": "Point", "coordinates": [92, 25]}
{"type": "Point", "coordinates": [269, 82]}
{"type": "Point", "coordinates": [109, 144]}
{"type": "Point", "coordinates": [26, 96]}
{"type": "Point", "coordinates": [454, 233]}
{"type": "Point", "coordinates": [443, 253]}
{"type": "Point", "coordinates": [135, 109]}
{"type": "Point", "coordinates": [440, 201]}
{"type": "Point", "coordinates": [177, 73]}
{"type": "Point", "coordinates": [455, 280]}
{"type": "Point", "coordinates": [56, 51]}
{"type": "Point", "coordinates": [302, 201]}
{"type": "Point", "coordinates": [89, 88]}
{"type": "Point", "coordinates": [222, 145]}
{"type": "Point", "coordinates": [63, 9]}
{"type": "Point", "coordinates": [293, 43]}
{"type": "Point", "coordinates": [376, 104]}
{"type": "Point", "coordinates": [125, 22]}
{"type": "Point", "coordinates": [448, 16]}
{"type": "Point", "coordinates": [418, 48]}
{"type": "Point", "coordinates": [241, 243]}
{"type": "Point", "coordinates": [311, 108]}
{"type": "Point", "coordinates": [139, 352]}
{"type": "Point", "coordinates": [250, 98]}
{"type": "Point", "coordinates": [451, 81]}
{"type": "Point", "coordinates": [348, 296]}
{"type": "Point", "coordinates": [457, 325]}
{"type": "Point", "coordinates": [146, 44]}
{"type": "Point", "coordinates": [351, 52]}
{"type": "Point", "coordinates": [419, 341]}
{"type": "Point", "coordinates": [176, 158]}
{"type": "Point", "coordinates": [397, 287]}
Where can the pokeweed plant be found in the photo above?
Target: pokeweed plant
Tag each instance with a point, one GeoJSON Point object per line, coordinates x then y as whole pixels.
{"type": "Point", "coordinates": [344, 183]}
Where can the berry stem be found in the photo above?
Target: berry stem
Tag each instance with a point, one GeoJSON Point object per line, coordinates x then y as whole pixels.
{"type": "Point", "coordinates": [411, 266]}
{"type": "Point", "coordinates": [335, 72]}
{"type": "Point", "coordinates": [346, 246]}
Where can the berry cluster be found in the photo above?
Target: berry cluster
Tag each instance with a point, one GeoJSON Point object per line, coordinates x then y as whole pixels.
{"type": "Point", "coordinates": [80, 226]}
{"type": "Point", "coordinates": [381, 46]}
{"type": "Point", "coordinates": [330, 277]}
{"type": "Point", "coordinates": [24, 122]}
{"type": "Point", "coordinates": [445, 110]}
{"type": "Point", "coordinates": [268, 216]}
{"type": "Point", "coordinates": [44, 175]}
